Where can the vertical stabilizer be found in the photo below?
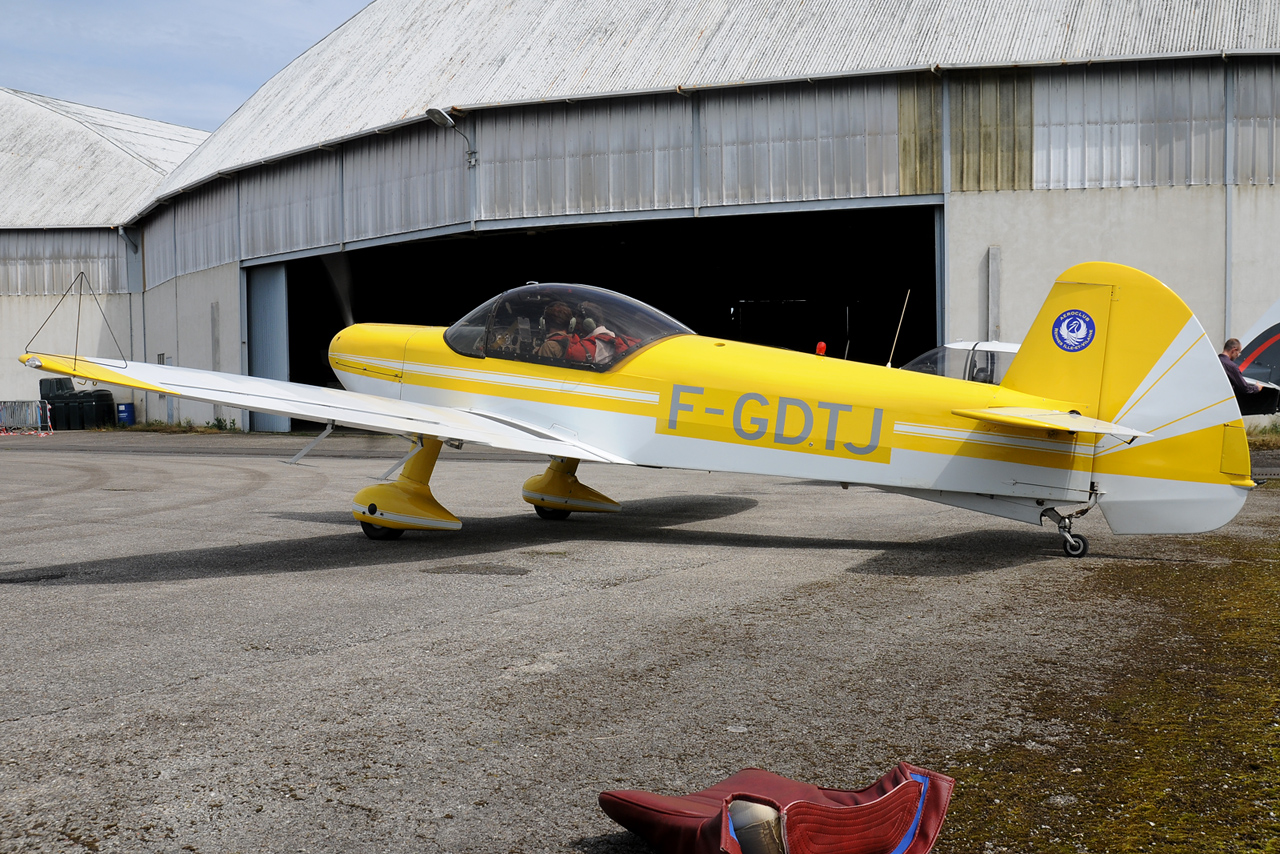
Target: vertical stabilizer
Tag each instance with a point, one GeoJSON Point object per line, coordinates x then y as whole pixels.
{"type": "Point", "coordinates": [1063, 355]}
{"type": "Point", "coordinates": [1121, 347]}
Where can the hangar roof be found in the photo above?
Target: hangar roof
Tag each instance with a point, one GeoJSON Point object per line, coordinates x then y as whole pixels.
{"type": "Point", "coordinates": [393, 60]}
{"type": "Point", "coordinates": [65, 165]}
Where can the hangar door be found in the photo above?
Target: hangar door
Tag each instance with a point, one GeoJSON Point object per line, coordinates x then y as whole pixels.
{"type": "Point", "coordinates": [268, 307]}
{"type": "Point", "coordinates": [783, 280]}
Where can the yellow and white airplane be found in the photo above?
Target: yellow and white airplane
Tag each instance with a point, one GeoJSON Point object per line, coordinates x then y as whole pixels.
{"type": "Point", "coordinates": [1116, 399]}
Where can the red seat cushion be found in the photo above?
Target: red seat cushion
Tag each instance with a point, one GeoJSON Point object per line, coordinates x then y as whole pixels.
{"type": "Point", "coordinates": [901, 813]}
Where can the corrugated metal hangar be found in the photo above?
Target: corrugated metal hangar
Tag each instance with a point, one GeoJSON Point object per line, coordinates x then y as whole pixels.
{"type": "Point", "coordinates": [72, 177]}
{"type": "Point", "coordinates": [780, 175]}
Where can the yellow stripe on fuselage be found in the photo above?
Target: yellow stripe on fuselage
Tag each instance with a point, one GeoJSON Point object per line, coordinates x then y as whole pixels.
{"type": "Point", "coordinates": [760, 396]}
{"type": "Point", "coordinates": [745, 395]}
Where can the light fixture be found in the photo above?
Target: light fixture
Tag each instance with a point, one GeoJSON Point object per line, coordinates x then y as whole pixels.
{"type": "Point", "coordinates": [444, 120]}
{"type": "Point", "coordinates": [440, 117]}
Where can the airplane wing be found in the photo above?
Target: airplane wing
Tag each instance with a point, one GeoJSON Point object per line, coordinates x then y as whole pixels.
{"type": "Point", "coordinates": [1048, 419]}
{"type": "Point", "coordinates": [346, 408]}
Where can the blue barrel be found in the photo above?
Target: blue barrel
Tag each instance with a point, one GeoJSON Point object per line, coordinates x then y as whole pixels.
{"type": "Point", "coordinates": [124, 414]}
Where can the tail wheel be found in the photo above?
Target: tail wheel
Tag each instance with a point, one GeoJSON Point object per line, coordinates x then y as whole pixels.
{"type": "Point", "coordinates": [377, 532]}
{"type": "Point", "coordinates": [1079, 549]}
{"type": "Point", "coordinates": [551, 513]}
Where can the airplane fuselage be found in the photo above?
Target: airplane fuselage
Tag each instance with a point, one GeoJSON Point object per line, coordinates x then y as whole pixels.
{"type": "Point", "coordinates": [696, 402]}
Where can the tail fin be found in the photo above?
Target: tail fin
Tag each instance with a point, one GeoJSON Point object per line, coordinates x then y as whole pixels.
{"type": "Point", "coordinates": [1123, 348]}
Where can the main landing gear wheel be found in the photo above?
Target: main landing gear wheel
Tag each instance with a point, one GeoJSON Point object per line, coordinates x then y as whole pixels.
{"type": "Point", "coordinates": [377, 532]}
{"type": "Point", "coordinates": [1079, 548]}
{"type": "Point", "coordinates": [551, 513]}
{"type": "Point", "coordinates": [1073, 544]}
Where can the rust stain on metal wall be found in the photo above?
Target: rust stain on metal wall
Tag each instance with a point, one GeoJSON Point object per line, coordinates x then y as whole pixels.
{"type": "Point", "coordinates": [991, 130]}
{"type": "Point", "coordinates": [919, 134]}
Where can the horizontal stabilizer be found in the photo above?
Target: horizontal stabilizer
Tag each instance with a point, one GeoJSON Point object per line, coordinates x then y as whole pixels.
{"type": "Point", "coordinates": [315, 403]}
{"type": "Point", "coordinates": [1048, 419]}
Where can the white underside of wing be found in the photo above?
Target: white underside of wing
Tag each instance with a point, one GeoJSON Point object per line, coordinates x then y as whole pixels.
{"type": "Point", "coordinates": [354, 409]}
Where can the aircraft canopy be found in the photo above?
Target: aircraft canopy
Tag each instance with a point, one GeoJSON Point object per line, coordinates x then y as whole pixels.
{"type": "Point", "coordinates": [569, 325]}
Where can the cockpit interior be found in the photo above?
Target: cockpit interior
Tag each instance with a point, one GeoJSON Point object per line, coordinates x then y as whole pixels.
{"type": "Point", "coordinates": [567, 325]}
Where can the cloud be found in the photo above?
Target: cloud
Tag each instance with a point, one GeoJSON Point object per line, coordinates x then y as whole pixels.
{"type": "Point", "coordinates": [191, 63]}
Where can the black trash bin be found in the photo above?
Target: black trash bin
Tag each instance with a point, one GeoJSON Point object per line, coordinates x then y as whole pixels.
{"type": "Point", "coordinates": [54, 386]}
{"type": "Point", "coordinates": [88, 410]}
{"type": "Point", "coordinates": [75, 411]}
{"type": "Point", "coordinates": [104, 409]}
{"type": "Point", "coordinates": [62, 406]}
{"type": "Point", "coordinates": [97, 408]}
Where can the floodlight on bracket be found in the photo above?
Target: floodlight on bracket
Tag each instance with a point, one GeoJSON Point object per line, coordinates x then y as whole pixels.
{"type": "Point", "coordinates": [444, 120]}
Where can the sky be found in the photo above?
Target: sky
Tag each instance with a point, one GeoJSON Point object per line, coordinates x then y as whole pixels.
{"type": "Point", "coordinates": [189, 62]}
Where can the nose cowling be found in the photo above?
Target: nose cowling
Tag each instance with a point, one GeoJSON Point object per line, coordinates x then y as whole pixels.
{"type": "Point", "coordinates": [369, 351]}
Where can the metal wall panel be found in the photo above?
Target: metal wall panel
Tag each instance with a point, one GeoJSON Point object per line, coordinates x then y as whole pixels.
{"type": "Point", "coordinates": [206, 228]}
{"type": "Point", "coordinates": [629, 154]}
{"type": "Point", "coordinates": [991, 130]}
{"type": "Point", "coordinates": [800, 142]}
{"type": "Point", "coordinates": [919, 134]}
{"type": "Point", "coordinates": [46, 261]}
{"type": "Point", "coordinates": [1257, 113]}
{"type": "Point", "coordinates": [291, 206]}
{"type": "Point", "coordinates": [409, 180]}
{"type": "Point", "coordinates": [159, 261]}
{"type": "Point", "coordinates": [1132, 124]}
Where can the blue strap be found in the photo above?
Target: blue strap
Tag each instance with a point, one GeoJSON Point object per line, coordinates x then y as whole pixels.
{"type": "Point", "coordinates": [915, 824]}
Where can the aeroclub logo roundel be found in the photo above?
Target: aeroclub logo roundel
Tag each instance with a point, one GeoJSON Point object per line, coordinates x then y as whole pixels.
{"type": "Point", "coordinates": [1073, 330]}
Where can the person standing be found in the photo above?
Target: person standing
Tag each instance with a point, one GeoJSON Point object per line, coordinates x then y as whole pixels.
{"type": "Point", "coordinates": [1240, 385]}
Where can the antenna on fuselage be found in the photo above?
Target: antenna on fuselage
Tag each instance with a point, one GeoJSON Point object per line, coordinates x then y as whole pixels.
{"type": "Point", "coordinates": [889, 364]}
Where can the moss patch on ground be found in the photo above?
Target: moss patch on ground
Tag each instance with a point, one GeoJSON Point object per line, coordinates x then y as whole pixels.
{"type": "Point", "coordinates": [1181, 753]}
